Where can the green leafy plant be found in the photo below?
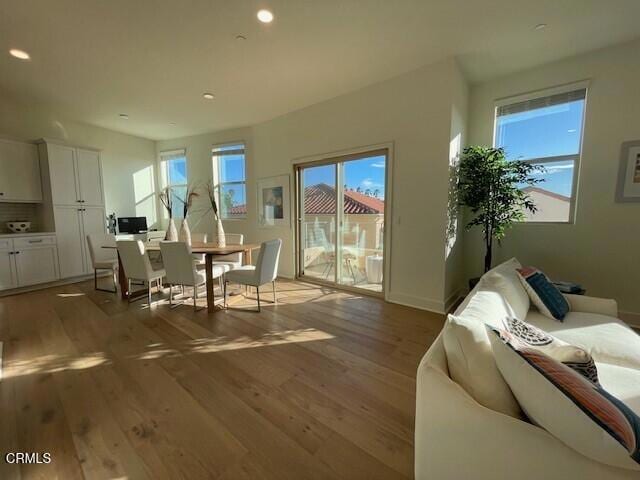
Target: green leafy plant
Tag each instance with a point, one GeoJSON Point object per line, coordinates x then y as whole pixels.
{"type": "Point", "coordinates": [491, 187]}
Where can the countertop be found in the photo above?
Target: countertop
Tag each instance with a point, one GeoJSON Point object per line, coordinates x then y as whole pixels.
{"type": "Point", "coordinates": [28, 234]}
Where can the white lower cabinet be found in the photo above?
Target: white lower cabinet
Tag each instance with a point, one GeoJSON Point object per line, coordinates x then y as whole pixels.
{"type": "Point", "coordinates": [7, 270]}
{"type": "Point", "coordinates": [28, 261]}
{"type": "Point", "coordinates": [73, 224]}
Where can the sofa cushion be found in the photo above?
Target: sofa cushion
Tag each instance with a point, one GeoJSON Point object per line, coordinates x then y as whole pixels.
{"type": "Point", "coordinates": [544, 294]}
{"type": "Point", "coordinates": [472, 365]}
{"type": "Point", "coordinates": [513, 293]}
{"type": "Point", "coordinates": [580, 414]}
{"type": "Point", "coordinates": [607, 339]}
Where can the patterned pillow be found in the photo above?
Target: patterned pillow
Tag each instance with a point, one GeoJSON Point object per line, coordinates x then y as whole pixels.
{"type": "Point", "coordinates": [575, 357]}
{"type": "Point", "coordinates": [577, 412]}
{"type": "Point", "coordinates": [544, 294]}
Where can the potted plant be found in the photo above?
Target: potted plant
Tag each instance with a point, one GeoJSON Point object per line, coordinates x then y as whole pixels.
{"type": "Point", "coordinates": [490, 186]}
{"type": "Point", "coordinates": [166, 198]}
{"type": "Point", "coordinates": [219, 233]}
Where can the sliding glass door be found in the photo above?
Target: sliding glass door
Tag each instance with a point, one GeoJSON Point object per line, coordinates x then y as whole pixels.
{"type": "Point", "coordinates": [341, 216]}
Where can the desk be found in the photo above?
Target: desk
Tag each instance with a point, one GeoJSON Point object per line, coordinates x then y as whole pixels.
{"type": "Point", "coordinates": [210, 250]}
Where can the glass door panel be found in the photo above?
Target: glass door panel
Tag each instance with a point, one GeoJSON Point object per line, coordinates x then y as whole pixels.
{"type": "Point", "coordinates": [361, 226]}
{"type": "Point", "coordinates": [317, 223]}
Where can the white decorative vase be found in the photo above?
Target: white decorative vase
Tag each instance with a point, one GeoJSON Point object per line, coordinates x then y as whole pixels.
{"type": "Point", "coordinates": [220, 237]}
{"type": "Point", "coordinates": [185, 233]}
{"type": "Point", "coordinates": [172, 233]}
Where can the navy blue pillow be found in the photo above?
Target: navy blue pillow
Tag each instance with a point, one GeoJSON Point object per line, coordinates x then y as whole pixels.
{"type": "Point", "coordinates": [544, 294]}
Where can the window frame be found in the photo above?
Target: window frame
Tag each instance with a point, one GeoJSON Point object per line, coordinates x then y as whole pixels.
{"type": "Point", "coordinates": [576, 157]}
{"type": "Point", "coordinates": [218, 185]}
{"type": "Point", "coordinates": [165, 158]}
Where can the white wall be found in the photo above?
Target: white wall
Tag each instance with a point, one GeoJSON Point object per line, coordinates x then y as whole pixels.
{"type": "Point", "coordinates": [414, 112]}
{"type": "Point", "coordinates": [128, 162]}
{"type": "Point", "coordinates": [601, 249]}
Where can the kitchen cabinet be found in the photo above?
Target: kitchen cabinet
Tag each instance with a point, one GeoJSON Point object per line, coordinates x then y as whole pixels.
{"type": "Point", "coordinates": [19, 172]}
{"type": "Point", "coordinates": [26, 261]}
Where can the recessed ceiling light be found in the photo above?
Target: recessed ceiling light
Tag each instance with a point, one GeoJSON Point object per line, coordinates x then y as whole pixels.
{"type": "Point", "coordinates": [265, 16]}
{"type": "Point", "coordinates": [209, 96]}
{"type": "Point", "coordinates": [172, 124]}
{"type": "Point", "coordinates": [540, 26]}
{"type": "Point", "coordinates": [240, 37]}
{"type": "Point", "coordinates": [124, 116]}
{"type": "Point", "coordinates": [21, 54]}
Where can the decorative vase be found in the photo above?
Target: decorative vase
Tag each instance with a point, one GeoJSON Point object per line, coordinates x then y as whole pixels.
{"type": "Point", "coordinates": [185, 233]}
{"type": "Point", "coordinates": [172, 233]}
{"type": "Point", "coordinates": [220, 237]}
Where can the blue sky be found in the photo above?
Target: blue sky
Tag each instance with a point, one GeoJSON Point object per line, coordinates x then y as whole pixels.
{"type": "Point", "coordinates": [544, 132]}
{"type": "Point", "coordinates": [366, 173]}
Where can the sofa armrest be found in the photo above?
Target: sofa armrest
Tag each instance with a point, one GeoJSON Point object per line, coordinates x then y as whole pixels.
{"type": "Point", "coordinates": [456, 437]}
{"type": "Point", "coordinates": [603, 306]}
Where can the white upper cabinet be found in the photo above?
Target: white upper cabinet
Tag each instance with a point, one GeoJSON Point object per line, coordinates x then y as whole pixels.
{"type": "Point", "coordinates": [75, 174]}
{"type": "Point", "coordinates": [62, 171]}
{"type": "Point", "coordinates": [89, 177]}
{"type": "Point", "coordinates": [19, 172]}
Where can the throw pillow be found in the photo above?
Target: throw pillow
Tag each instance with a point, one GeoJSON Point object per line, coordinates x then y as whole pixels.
{"type": "Point", "coordinates": [575, 357]}
{"type": "Point", "coordinates": [577, 412]}
{"type": "Point", "coordinates": [544, 294]}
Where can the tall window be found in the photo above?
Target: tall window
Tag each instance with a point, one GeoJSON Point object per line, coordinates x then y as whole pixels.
{"type": "Point", "coordinates": [173, 170]}
{"type": "Point", "coordinates": [546, 130]}
{"type": "Point", "coordinates": [229, 176]}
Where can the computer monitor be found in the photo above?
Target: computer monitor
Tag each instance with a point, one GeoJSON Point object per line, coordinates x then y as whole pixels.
{"type": "Point", "coordinates": [132, 224]}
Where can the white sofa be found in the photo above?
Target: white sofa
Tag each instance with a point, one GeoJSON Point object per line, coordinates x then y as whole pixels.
{"type": "Point", "coordinates": [458, 438]}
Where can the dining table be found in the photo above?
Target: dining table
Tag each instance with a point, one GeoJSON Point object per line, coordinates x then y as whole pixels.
{"type": "Point", "coordinates": [209, 250]}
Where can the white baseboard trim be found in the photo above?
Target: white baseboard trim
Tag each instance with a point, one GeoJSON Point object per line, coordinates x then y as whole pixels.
{"type": "Point", "coordinates": [41, 286]}
{"type": "Point", "coordinates": [416, 302]}
{"type": "Point", "coordinates": [630, 318]}
{"type": "Point", "coordinates": [452, 299]}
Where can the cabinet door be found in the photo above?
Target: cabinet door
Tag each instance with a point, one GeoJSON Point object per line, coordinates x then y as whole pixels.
{"type": "Point", "coordinates": [93, 221]}
{"type": "Point", "coordinates": [89, 177]}
{"type": "Point", "coordinates": [70, 241]}
{"type": "Point", "coordinates": [62, 171]}
{"type": "Point", "coordinates": [36, 265]}
{"type": "Point", "coordinates": [7, 270]}
{"type": "Point", "coordinates": [19, 172]}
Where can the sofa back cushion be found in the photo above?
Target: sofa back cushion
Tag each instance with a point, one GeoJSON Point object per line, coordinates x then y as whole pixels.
{"type": "Point", "coordinates": [472, 365]}
{"type": "Point", "coordinates": [571, 408]}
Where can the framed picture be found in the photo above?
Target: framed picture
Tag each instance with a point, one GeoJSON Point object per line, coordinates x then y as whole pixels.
{"type": "Point", "coordinates": [629, 174]}
{"type": "Point", "coordinates": [274, 202]}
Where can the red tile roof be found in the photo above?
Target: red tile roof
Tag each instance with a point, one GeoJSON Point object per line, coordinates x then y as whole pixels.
{"type": "Point", "coordinates": [320, 199]}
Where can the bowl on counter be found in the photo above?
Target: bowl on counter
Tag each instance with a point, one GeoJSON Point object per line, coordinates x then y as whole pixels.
{"type": "Point", "coordinates": [18, 226]}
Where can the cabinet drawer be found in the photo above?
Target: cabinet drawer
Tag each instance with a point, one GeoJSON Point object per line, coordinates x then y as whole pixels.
{"type": "Point", "coordinates": [26, 242]}
{"type": "Point", "coordinates": [6, 243]}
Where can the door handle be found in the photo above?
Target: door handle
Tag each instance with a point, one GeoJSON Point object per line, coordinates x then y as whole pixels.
{"type": "Point", "coordinates": [16, 253]}
{"type": "Point", "coordinates": [35, 241]}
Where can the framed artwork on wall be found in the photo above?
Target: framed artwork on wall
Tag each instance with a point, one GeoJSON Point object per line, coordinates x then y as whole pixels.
{"type": "Point", "coordinates": [629, 174]}
{"type": "Point", "coordinates": [274, 202]}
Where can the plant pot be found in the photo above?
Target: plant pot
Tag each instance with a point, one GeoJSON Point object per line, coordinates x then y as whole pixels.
{"type": "Point", "coordinates": [185, 233]}
{"type": "Point", "coordinates": [220, 236]}
{"type": "Point", "coordinates": [172, 232]}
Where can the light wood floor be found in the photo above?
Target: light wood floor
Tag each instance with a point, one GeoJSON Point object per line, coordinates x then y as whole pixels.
{"type": "Point", "coordinates": [320, 386]}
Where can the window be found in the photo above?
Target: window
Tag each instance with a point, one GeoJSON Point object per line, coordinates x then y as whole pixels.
{"type": "Point", "coordinates": [229, 176]}
{"type": "Point", "coordinates": [173, 166]}
{"type": "Point", "coordinates": [546, 130]}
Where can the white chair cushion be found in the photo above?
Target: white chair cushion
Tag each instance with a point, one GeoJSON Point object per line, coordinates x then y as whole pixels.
{"type": "Point", "coordinates": [245, 274]}
{"type": "Point", "coordinates": [606, 339]}
{"type": "Point", "coordinates": [472, 365]}
{"type": "Point", "coordinates": [568, 406]}
{"type": "Point", "coordinates": [106, 265]}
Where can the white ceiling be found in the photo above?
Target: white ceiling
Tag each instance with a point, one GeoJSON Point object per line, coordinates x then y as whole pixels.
{"type": "Point", "coordinates": [153, 59]}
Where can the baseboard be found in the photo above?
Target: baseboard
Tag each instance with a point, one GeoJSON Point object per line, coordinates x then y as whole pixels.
{"type": "Point", "coordinates": [41, 286]}
{"type": "Point", "coordinates": [452, 300]}
{"type": "Point", "coordinates": [420, 303]}
{"type": "Point", "coordinates": [630, 318]}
